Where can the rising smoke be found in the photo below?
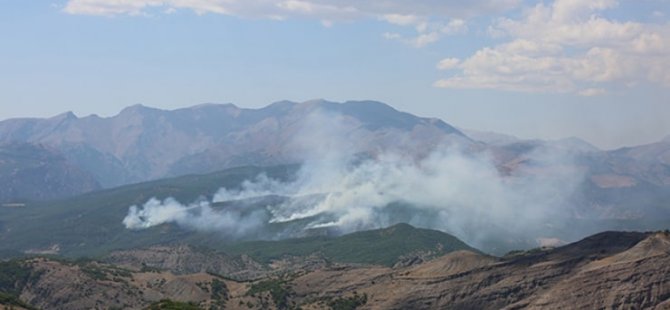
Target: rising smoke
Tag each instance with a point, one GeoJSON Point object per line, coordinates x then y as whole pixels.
{"type": "Point", "coordinates": [452, 189]}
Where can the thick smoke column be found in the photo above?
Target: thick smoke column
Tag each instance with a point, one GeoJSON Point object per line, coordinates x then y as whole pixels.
{"type": "Point", "coordinates": [451, 189]}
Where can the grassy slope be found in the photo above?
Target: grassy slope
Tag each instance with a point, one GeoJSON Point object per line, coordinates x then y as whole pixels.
{"type": "Point", "coordinates": [90, 224]}
{"type": "Point", "coordinates": [380, 246]}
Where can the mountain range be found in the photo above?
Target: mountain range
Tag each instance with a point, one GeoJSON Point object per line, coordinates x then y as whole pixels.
{"type": "Point", "coordinates": [142, 143]}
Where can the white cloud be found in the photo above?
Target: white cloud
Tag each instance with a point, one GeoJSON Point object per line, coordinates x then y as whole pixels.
{"type": "Point", "coordinates": [454, 26]}
{"type": "Point", "coordinates": [422, 38]}
{"type": "Point", "coordinates": [590, 92]}
{"type": "Point", "coordinates": [425, 38]}
{"type": "Point", "coordinates": [391, 36]}
{"type": "Point", "coordinates": [567, 10]}
{"type": "Point", "coordinates": [448, 63]}
{"type": "Point", "coordinates": [430, 19]}
{"type": "Point", "coordinates": [101, 7]}
{"type": "Point", "coordinates": [402, 20]}
{"type": "Point", "coordinates": [563, 46]}
{"type": "Point", "coordinates": [328, 9]}
{"type": "Point", "coordinates": [426, 31]}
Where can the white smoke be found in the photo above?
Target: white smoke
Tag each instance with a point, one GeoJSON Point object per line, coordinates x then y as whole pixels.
{"type": "Point", "coordinates": [457, 191]}
{"type": "Point", "coordinates": [261, 186]}
{"type": "Point", "coordinates": [197, 216]}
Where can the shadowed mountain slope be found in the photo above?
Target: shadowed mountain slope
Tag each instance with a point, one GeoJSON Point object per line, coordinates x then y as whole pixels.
{"type": "Point", "coordinates": [36, 172]}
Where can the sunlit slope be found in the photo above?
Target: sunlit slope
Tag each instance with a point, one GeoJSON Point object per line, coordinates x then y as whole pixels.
{"type": "Point", "coordinates": [381, 246]}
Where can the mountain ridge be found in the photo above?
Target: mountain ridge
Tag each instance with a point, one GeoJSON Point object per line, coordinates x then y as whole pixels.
{"type": "Point", "coordinates": [142, 143]}
{"type": "Point", "coordinates": [625, 269]}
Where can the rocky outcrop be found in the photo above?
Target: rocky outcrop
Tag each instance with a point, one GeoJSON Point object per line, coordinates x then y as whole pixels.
{"type": "Point", "coordinates": [184, 259]}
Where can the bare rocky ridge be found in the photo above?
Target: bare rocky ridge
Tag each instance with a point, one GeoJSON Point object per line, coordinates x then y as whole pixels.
{"type": "Point", "coordinates": [609, 270]}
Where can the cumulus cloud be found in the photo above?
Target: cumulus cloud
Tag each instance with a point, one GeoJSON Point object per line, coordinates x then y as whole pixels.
{"type": "Point", "coordinates": [565, 45]}
{"type": "Point", "coordinates": [448, 63]}
{"type": "Point", "coordinates": [590, 92]}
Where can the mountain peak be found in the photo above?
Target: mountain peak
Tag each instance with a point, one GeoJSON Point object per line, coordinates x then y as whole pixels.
{"type": "Point", "coordinates": [138, 109]}
{"type": "Point", "coordinates": [210, 105]}
{"type": "Point", "coordinates": [318, 103]}
{"type": "Point", "coordinates": [283, 104]}
{"type": "Point", "coordinates": [372, 104]}
{"type": "Point", "coordinates": [577, 144]}
{"type": "Point", "coordinates": [69, 115]}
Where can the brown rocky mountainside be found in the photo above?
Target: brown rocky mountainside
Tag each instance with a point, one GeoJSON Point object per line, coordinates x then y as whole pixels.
{"type": "Point", "coordinates": [613, 270]}
{"type": "Point", "coordinates": [184, 259]}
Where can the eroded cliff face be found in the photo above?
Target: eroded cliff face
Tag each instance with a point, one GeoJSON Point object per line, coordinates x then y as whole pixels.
{"type": "Point", "coordinates": [608, 270]}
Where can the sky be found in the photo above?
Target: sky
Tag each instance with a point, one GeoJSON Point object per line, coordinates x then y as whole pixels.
{"type": "Point", "coordinates": [597, 69]}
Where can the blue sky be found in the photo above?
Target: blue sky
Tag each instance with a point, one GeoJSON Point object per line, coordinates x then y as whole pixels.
{"type": "Point", "coordinates": [596, 69]}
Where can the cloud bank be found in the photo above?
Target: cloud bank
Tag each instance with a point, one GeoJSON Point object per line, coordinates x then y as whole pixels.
{"type": "Point", "coordinates": [567, 46]}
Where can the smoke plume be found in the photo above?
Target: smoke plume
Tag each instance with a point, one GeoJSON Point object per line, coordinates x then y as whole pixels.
{"type": "Point", "coordinates": [453, 189]}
